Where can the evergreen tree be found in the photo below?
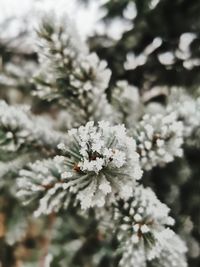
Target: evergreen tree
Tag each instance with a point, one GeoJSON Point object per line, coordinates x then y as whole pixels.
{"type": "Point", "coordinates": [99, 162]}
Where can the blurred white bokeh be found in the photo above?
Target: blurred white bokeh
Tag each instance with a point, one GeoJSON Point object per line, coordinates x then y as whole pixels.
{"type": "Point", "coordinates": [85, 17]}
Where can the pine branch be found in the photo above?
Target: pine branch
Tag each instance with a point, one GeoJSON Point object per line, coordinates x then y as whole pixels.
{"type": "Point", "coordinates": [20, 130]}
{"type": "Point", "coordinates": [68, 74]}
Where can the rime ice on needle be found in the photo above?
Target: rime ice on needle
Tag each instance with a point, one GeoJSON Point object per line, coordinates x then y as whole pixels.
{"type": "Point", "coordinates": [171, 250]}
{"type": "Point", "coordinates": [101, 161]}
{"type": "Point", "coordinates": [126, 100]}
{"type": "Point", "coordinates": [19, 127]}
{"type": "Point", "coordinates": [68, 73]}
{"type": "Point", "coordinates": [14, 124]}
{"type": "Point", "coordinates": [98, 162]}
{"type": "Point", "coordinates": [187, 109]}
{"type": "Point", "coordinates": [42, 182]}
{"type": "Point", "coordinates": [141, 222]}
{"type": "Point", "coordinates": [141, 216]}
{"type": "Point", "coordinates": [159, 138]}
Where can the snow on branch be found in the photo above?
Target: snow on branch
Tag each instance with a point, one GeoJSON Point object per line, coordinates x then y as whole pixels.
{"type": "Point", "coordinates": [68, 73]}
{"type": "Point", "coordinates": [99, 161]}
{"type": "Point", "coordinates": [20, 129]}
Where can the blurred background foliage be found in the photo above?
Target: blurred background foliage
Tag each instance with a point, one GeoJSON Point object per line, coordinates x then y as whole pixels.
{"type": "Point", "coordinates": [163, 39]}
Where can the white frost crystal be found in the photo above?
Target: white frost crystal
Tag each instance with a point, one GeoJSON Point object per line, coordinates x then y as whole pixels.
{"type": "Point", "coordinates": [43, 181]}
{"type": "Point", "coordinates": [19, 127]}
{"type": "Point", "coordinates": [142, 216]}
{"type": "Point", "coordinates": [71, 75]}
{"type": "Point", "coordinates": [171, 250]}
{"type": "Point", "coordinates": [188, 111]}
{"type": "Point", "coordinates": [97, 71]}
{"type": "Point", "coordinates": [142, 232]}
{"type": "Point", "coordinates": [14, 124]}
{"type": "Point", "coordinates": [101, 161]}
{"type": "Point", "coordinates": [127, 102]}
{"type": "Point", "coordinates": [159, 138]}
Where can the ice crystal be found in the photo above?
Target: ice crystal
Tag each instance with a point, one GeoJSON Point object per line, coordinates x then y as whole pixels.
{"type": "Point", "coordinates": [188, 111]}
{"type": "Point", "coordinates": [141, 216]}
{"type": "Point", "coordinates": [14, 126]}
{"type": "Point", "coordinates": [171, 250]}
{"type": "Point", "coordinates": [43, 182]}
{"type": "Point", "coordinates": [159, 138]}
{"type": "Point", "coordinates": [141, 222]}
{"type": "Point", "coordinates": [18, 127]}
{"type": "Point", "coordinates": [69, 74]}
{"type": "Point", "coordinates": [100, 161]}
{"type": "Point", "coordinates": [126, 100]}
